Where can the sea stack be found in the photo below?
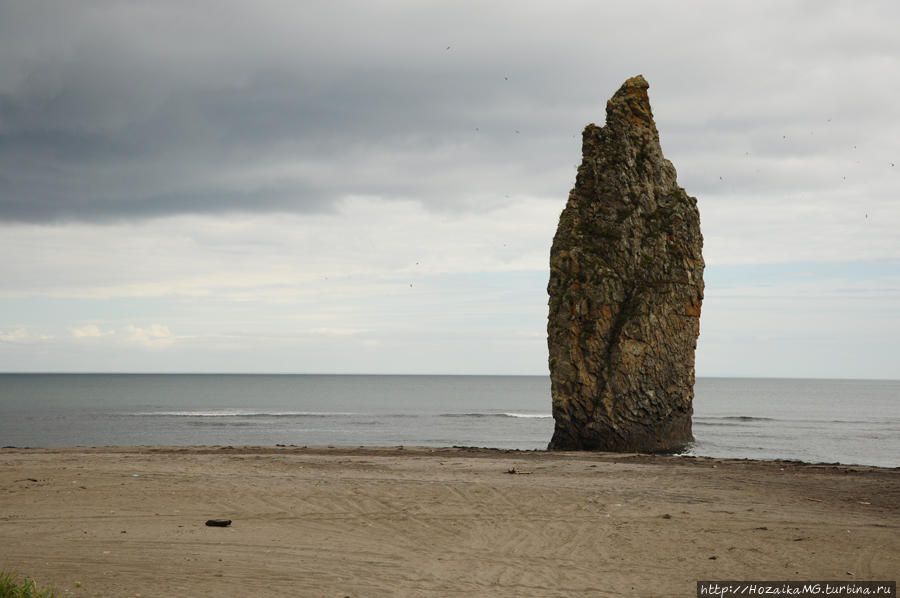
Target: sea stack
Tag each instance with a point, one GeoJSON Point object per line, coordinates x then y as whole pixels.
{"type": "Point", "coordinates": [626, 285]}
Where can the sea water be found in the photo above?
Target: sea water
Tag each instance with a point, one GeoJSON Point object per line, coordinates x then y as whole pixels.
{"type": "Point", "coordinates": [846, 421]}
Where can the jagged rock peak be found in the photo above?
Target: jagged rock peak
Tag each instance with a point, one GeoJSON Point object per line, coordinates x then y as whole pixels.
{"type": "Point", "coordinates": [630, 107]}
{"type": "Point", "coordinates": [626, 285]}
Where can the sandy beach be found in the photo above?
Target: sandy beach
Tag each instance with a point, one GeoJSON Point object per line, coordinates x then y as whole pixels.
{"type": "Point", "coordinates": [434, 522]}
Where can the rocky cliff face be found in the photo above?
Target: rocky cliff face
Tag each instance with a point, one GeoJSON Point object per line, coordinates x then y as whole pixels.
{"type": "Point", "coordinates": [626, 284]}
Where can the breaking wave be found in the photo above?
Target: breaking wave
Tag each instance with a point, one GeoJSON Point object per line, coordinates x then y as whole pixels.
{"type": "Point", "coordinates": [519, 415]}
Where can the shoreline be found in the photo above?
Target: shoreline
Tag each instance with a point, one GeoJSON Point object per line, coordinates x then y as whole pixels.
{"type": "Point", "coordinates": [399, 450]}
{"type": "Point", "coordinates": [427, 521]}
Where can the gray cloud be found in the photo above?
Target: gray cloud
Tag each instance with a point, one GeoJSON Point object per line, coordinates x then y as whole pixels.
{"type": "Point", "coordinates": [111, 110]}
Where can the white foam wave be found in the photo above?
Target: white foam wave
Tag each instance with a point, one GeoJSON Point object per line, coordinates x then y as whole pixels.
{"type": "Point", "coordinates": [243, 413]}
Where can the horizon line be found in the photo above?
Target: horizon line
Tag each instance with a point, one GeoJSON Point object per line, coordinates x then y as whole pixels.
{"type": "Point", "coordinates": [214, 373]}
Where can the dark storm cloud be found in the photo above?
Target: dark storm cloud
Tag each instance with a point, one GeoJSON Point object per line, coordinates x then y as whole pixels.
{"type": "Point", "coordinates": [117, 110]}
{"type": "Point", "coordinates": [87, 144]}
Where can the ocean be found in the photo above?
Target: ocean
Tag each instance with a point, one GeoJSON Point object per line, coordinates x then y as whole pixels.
{"type": "Point", "coordinates": [824, 421]}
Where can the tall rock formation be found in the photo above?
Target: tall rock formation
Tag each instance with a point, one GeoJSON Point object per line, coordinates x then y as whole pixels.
{"type": "Point", "coordinates": [626, 284]}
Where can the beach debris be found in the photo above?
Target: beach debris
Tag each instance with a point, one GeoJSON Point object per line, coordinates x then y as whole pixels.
{"type": "Point", "coordinates": [517, 471]}
{"type": "Point", "coordinates": [666, 516]}
{"type": "Point", "coordinates": [218, 522]}
{"type": "Point", "coordinates": [626, 287]}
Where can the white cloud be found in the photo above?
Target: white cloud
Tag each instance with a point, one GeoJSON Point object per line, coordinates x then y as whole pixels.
{"type": "Point", "coordinates": [22, 336]}
{"type": "Point", "coordinates": [155, 336]}
{"type": "Point", "coordinates": [368, 243]}
{"type": "Point", "coordinates": [90, 331]}
{"type": "Point", "coordinates": [15, 336]}
{"type": "Point", "coordinates": [335, 331]}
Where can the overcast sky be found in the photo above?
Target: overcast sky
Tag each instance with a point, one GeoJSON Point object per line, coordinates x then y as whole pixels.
{"type": "Point", "coordinates": [373, 187]}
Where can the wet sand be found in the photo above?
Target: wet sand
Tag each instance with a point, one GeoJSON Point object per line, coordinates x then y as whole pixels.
{"type": "Point", "coordinates": [427, 522]}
